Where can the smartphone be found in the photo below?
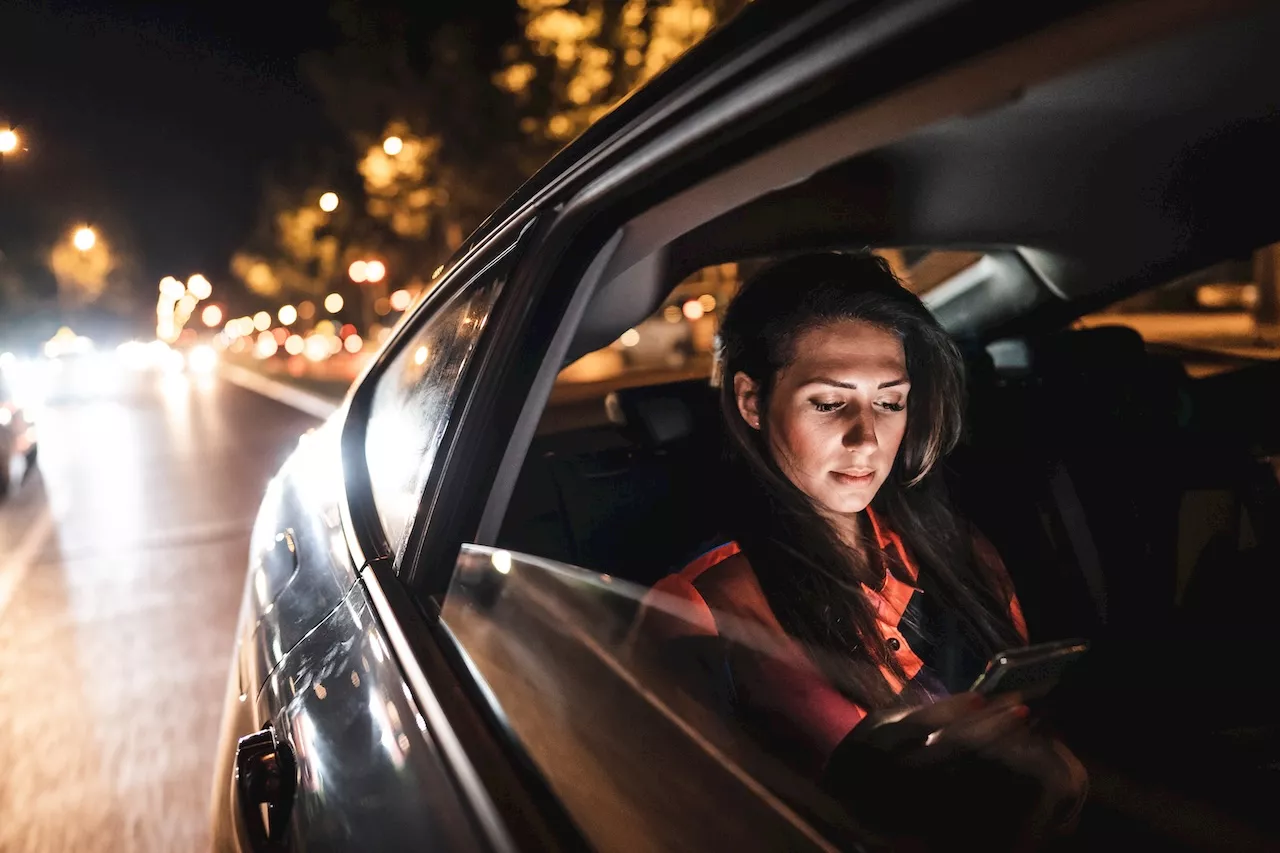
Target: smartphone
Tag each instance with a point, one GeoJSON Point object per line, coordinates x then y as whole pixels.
{"type": "Point", "coordinates": [1032, 671]}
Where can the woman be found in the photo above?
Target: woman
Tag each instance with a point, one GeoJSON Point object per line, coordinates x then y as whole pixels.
{"type": "Point", "coordinates": [840, 395]}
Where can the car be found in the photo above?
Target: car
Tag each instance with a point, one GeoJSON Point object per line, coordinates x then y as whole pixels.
{"type": "Point", "coordinates": [18, 448]}
{"type": "Point", "coordinates": [433, 647]}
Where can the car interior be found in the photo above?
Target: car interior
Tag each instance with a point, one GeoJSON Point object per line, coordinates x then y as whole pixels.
{"type": "Point", "coordinates": [1134, 503]}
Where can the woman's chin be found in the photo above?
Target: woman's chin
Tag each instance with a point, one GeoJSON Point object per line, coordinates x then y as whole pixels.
{"type": "Point", "coordinates": [847, 503]}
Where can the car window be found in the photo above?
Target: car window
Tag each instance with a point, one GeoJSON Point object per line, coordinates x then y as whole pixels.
{"type": "Point", "coordinates": [677, 342]}
{"type": "Point", "coordinates": [634, 748]}
{"type": "Point", "coordinates": [1212, 318]}
{"type": "Point", "coordinates": [414, 397]}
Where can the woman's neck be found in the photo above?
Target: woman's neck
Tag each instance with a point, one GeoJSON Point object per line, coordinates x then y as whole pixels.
{"type": "Point", "coordinates": [851, 530]}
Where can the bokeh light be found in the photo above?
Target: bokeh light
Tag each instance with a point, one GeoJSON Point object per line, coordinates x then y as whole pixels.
{"type": "Point", "coordinates": [333, 303]}
{"type": "Point", "coordinates": [211, 315]}
{"type": "Point", "coordinates": [199, 286]}
{"type": "Point", "coordinates": [266, 345]}
{"type": "Point", "coordinates": [329, 202]}
{"type": "Point", "coordinates": [400, 300]}
{"type": "Point", "coordinates": [393, 145]}
{"type": "Point", "coordinates": [172, 288]}
{"type": "Point", "coordinates": [358, 271]}
{"type": "Point", "coordinates": [375, 271]}
{"type": "Point", "coordinates": [84, 238]}
{"type": "Point", "coordinates": [262, 321]}
{"type": "Point", "coordinates": [288, 315]}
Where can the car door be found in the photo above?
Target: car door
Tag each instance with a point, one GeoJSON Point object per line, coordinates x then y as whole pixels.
{"type": "Point", "coordinates": [345, 757]}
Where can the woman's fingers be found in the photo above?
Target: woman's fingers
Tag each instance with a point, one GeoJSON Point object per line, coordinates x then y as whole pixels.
{"type": "Point", "coordinates": [905, 726]}
{"type": "Point", "coordinates": [992, 728]}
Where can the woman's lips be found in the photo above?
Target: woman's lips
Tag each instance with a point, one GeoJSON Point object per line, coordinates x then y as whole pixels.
{"type": "Point", "coordinates": [855, 477]}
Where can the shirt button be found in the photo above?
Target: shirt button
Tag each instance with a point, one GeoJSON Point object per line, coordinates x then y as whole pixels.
{"type": "Point", "coordinates": [895, 643]}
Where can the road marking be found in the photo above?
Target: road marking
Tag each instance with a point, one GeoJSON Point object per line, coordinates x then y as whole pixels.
{"type": "Point", "coordinates": [20, 560]}
{"type": "Point", "coordinates": [304, 401]}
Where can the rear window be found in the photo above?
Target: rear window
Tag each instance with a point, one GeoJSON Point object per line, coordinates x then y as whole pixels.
{"type": "Point", "coordinates": [677, 342]}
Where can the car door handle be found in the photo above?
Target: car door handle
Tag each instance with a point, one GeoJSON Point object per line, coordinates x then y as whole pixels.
{"type": "Point", "coordinates": [262, 791]}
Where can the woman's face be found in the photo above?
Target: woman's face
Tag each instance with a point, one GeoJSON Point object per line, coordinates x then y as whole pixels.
{"type": "Point", "coordinates": [837, 412]}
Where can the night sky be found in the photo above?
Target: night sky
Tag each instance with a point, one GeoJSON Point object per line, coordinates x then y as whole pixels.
{"type": "Point", "coordinates": [156, 122]}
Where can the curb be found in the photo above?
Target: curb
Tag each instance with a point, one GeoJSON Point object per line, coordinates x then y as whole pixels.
{"type": "Point", "coordinates": [304, 401]}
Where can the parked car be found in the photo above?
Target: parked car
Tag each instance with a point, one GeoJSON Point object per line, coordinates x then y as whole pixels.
{"type": "Point", "coordinates": [17, 438]}
{"type": "Point", "coordinates": [431, 650]}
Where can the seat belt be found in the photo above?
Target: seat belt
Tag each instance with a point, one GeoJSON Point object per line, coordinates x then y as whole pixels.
{"type": "Point", "coordinates": [1081, 539]}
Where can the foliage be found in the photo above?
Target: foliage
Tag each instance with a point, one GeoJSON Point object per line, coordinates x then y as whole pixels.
{"type": "Point", "coordinates": [578, 58]}
{"type": "Point", "coordinates": [471, 108]}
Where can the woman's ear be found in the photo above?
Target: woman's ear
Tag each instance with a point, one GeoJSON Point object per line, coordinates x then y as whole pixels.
{"type": "Point", "coordinates": [747, 393]}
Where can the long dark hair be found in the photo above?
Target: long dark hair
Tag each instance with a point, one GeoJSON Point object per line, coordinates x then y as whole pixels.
{"type": "Point", "coordinates": [812, 579]}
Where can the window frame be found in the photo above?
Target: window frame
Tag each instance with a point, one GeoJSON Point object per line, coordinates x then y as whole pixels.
{"type": "Point", "coordinates": [363, 526]}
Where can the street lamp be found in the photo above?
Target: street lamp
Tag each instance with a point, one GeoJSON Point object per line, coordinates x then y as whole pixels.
{"type": "Point", "coordinates": [199, 286]}
{"type": "Point", "coordinates": [8, 141]}
{"type": "Point", "coordinates": [84, 238]}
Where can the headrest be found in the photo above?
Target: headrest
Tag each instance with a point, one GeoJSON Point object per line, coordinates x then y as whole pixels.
{"type": "Point", "coordinates": [660, 414]}
{"type": "Point", "coordinates": [1083, 351]}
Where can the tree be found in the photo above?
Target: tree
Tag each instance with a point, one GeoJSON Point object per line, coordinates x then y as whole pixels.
{"type": "Point", "coordinates": [401, 75]}
{"type": "Point", "coordinates": [435, 145]}
{"type": "Point", "coordinates": [578, 58]}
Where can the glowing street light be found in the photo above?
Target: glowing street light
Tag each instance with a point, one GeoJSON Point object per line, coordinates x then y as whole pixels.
{"type": "Point", "coordinates": [84, 238]}
{"type": "Point", "coordinates": [393, 145]}
{"type": "Point", "coordinates": [199, 286]}
{"type": "Point", "coordinates": [375, 271]}
{"type": "Point", "coordinates": [400, 300]}
{"type": "Point", "coordinates": [358, 271]}
{"type": "Point", "coordinates": [262, 321]}
{"type": "Point", "coordinates": [333, 303]}
{"type": "Point", "coordinates": [288, 315]}
{"type": "Point", "coordinates": [172, 288]}
{"type": "Point", "coordinates": [8, 141]}
{"type": "Point", "coordinates": [329, 202]}
{"type": "Point", "coordinates": [211, 315]}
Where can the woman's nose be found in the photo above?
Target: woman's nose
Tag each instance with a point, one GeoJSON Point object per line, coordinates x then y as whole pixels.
{"type": "Point", "coordinates": [861, 434]}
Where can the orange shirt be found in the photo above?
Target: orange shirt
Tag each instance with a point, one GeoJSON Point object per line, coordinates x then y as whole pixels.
{"type": "Point", "coordinates": [777, 680]}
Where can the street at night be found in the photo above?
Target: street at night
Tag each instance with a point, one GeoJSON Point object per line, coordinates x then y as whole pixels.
{"type": "Point", "coordinates": [120, 579]}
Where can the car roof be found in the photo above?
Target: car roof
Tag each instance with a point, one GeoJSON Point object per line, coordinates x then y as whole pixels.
{"type": "Point", "coordinates": [1116, 176]}
{"type": "Point", "coordinates": [1121, 171]}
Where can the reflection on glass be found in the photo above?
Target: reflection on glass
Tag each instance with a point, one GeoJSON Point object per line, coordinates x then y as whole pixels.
{"type": "Point", "coordinates": [638, 759]}
{"type": "Point", "coordinates": [412, 403]}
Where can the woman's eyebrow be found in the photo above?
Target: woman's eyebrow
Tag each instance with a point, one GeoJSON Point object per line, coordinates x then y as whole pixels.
{"type": "Point", "coordinates": [824, 380]}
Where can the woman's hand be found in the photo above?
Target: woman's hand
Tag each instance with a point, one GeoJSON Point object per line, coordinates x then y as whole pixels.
{"type": "Point", "coordinates": [963, 769]}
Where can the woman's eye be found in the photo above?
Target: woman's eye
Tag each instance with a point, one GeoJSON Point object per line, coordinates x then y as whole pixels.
{"type": "Point", "coordinates": [826, 407]}
{"type": "Point", "coordinates": [892, 407]}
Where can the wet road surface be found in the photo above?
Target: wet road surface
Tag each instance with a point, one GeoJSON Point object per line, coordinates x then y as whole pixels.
{"type": "Point", "coordinates": [121, 564]}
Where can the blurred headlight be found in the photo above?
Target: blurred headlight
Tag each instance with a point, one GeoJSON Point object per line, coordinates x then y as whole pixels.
{"type": "Point", "coordinates": [202, 359]}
